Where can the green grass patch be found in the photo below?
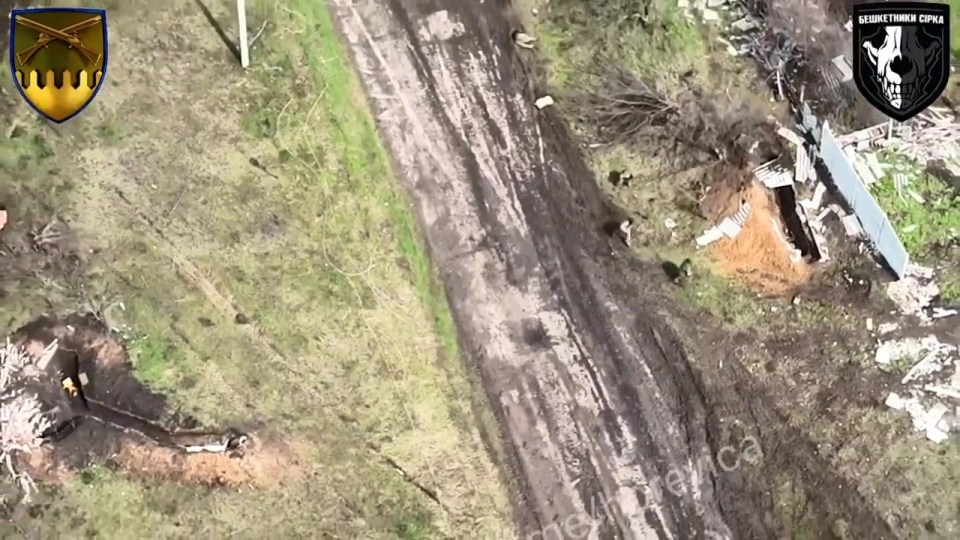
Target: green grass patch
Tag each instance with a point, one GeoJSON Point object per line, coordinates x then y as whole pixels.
{"type": "Point", "coordinates": [155, 361]}
{"type": "Point", "coordinates": [349, 345]}
{"type": "Point", "coordinates": [922, 226]}
{"type": "Point", "coordinates": [928, 227]}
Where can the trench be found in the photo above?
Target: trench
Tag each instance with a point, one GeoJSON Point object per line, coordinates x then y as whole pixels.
{"type": "Point", "coordinates": [799, 231]}
{"type": "Point", "coordinates": [86, 408]}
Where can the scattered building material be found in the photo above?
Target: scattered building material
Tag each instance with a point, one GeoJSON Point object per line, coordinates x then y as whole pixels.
{"type": "Point", "coordinates": [791, 136]}
{"type": "Point", "coordinates": [709, 236]}
{"type": "Point", "coordinates": [844, 67]}
{"type": "Point", "coordinates": [930, 421]}
{"type": "Point", "coordinates": [804, 169]}
{"type": "Point", "coordinates": [851, 225]}
{"type": "Point", "coordinates": [914, 292]}
{"type": "Point", "coordinates": [774, 174]}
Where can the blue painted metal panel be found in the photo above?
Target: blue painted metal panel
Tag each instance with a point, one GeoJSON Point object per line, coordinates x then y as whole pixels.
{"type": "Point", "coordinates": [872, 218]}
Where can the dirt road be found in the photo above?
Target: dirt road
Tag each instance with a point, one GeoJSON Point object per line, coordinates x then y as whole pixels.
{"type": "Point", "coordinates": [607, 421]}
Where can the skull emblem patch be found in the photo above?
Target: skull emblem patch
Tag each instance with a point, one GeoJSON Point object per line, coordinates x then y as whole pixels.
{"type": "Point", "coordinates": [901, 55]}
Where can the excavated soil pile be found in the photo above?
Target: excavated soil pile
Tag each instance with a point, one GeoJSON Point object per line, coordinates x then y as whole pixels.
{"type": "Point", "coordinates": [116, 421]}
{"type": "Point", "coordinates": [761, 256]}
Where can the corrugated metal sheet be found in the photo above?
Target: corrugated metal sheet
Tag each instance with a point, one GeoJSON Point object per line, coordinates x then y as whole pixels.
{"type": "Point", "coordinates": [774, 174]}
{"type": "Point", "coordinates": [872, 218]}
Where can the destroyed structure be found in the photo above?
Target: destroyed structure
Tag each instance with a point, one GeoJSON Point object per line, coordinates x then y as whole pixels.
{"type": "Point", "coordinates": [832, 174]}
{"type": "Point", "coordinates": [58, 408]}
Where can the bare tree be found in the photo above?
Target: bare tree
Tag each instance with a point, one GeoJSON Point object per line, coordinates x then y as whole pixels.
{"type": "Point", "coordinates": [620, 106]}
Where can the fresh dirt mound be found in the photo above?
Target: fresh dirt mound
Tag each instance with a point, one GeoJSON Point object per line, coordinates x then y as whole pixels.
{"type": "Point", "coordinates": [760, 256]}
{"type": "Point", "coordinates": [262, 465]}
{"type": "Point", "coordinates": [116, 420]}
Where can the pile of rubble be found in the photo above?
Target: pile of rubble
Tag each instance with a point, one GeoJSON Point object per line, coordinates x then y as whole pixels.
{"type": "Point", "coordinates": [713, 11]}
{"type": "Point", "coordinates": [932, 383]}
{"type": "Point", "coordinates": [915, 291]}
{"type": "Point", "coordinates": [934, 136]}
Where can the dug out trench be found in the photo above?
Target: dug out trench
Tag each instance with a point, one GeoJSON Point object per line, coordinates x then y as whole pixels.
{"type": "Point", "coordinates": [96, 412]}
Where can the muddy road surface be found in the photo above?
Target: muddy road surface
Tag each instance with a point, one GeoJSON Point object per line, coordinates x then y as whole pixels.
{"type": "Point", "coordinates": [607, 422]}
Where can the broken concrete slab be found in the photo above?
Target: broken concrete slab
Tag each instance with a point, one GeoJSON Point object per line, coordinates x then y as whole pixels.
{"type": "Point", "coordinates": [791, 136]}
{"type": "Point", "coordinates": [914, 292]}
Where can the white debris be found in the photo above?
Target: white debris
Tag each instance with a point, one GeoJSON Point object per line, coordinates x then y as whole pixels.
{"type": "Point", "coordinates": [887, 327]}
{"type": "Point", "coordinates": [844, 67]}
{"type": "Point", "coordinates": [907, 348]}
{"type": "Point", "coordinates": [744, 25]}
{"type": "Point", "coordinates": [851, 224]}
{"type": "Point", "coordinates": [709, 236]}
{"type": "Point", "coordinates": [773, 174]}
{"type": "Point", "coordinates": [818, 193]}
{"type": "Point", "coordinates": [939, 313]}
{"type": "Point", "coordinates": [803, 166]}
{"type": "Point", "coordinates": [916, 196]}
{"type": "Point", "coordinates": [937, 429]}
{"type": "Point", "coordinates": [931, 421]}
{"type": "Point", "coordinates": [869, 324]}
{"type": "Point", "coordinates": [709, 15]}
{"type": "Point", "coordinates": [943, 391]}
{"type": "Point", "coordinates": [791, 136]}
{"type": "Point", "coordinates": [545, 101]}
{"type": "Point", "coordinates": [669, 223]}
{"type": "Point", "coordinates": [716, 3]}
{"type": "Point", "coordinates": [914, 291]}
{"type": "Point", "coordinates": [861, 166]}
{"type": "Point", "coordinates": [933, 362]}
{"type": "Point", "coordinates": [524, 41]}
{"type": "Point", "coordinates": [731, 50]}
{"type": "Point", "coordinates": [729, 228]}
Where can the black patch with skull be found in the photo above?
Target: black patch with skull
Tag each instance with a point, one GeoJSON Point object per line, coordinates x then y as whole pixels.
{"type": "Point", "coordinates": [902, 57]}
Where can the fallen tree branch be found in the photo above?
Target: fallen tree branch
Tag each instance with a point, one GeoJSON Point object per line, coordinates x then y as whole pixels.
{"type": "Point", "coordinates": [622, 106]}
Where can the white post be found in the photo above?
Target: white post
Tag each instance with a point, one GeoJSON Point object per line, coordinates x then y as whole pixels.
{"type": "Point", "coordinates": [242, 21]}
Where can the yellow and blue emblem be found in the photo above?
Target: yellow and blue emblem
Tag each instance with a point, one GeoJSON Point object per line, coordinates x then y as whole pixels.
{"type": "Point", "coordinates": [59, 58]}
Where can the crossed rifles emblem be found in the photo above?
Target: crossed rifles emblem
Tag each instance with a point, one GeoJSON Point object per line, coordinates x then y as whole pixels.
{"type": "Point", "coordinates": [67, 35]}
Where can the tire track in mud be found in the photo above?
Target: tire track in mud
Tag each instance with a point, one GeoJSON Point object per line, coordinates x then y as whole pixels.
{"type": "Point", "coordinates": [596, 395]}
{"type": "Point", "coordinates": [588, 402]}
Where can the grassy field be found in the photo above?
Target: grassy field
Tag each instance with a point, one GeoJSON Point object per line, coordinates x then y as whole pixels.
{"type": "Point", "coordinates": [182, 234]}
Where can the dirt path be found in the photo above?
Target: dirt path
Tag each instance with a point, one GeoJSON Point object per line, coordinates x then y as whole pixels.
{"type": "Point", "coordinates": [600, 404]}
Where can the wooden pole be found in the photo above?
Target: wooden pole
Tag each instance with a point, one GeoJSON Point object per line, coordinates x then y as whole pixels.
{"type": "Point", "coordinates": [242, 21]}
